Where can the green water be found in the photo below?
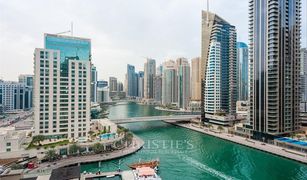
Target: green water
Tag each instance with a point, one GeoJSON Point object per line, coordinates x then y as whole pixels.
{"type": "Point", "coordinates": [189, 155]}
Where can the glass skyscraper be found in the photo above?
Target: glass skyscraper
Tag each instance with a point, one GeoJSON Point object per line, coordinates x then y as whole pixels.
{"type": "Point", "coordinates": [71, 48]}
{"type": "Point", "coordinates": [131, 81]}
{"type": "Point", "coordinates": [242, 71]}
{"type": "Point", "coordinates": [274, 34]}
{"type": "Point", "coordinates": [218, 62]}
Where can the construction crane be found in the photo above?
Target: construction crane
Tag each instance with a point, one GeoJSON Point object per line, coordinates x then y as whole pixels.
{"type": "Point", "coordinates": [69, 31]}
{"type": "Point", "coordinates": [63, 32]}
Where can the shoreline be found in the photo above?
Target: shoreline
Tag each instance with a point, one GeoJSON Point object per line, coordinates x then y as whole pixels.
{"type": "Point", "coordinates": [136, 145]}
{"type": "Point", "coordinates": [268, 148]}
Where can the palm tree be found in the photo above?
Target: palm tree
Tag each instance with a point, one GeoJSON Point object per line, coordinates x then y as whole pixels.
{"type": "Point", "coordinates": [38, 139]}
{"type": "Point", "coordinates": [51, 155]}
{"type": "Point", "coordinates": [74, 149]}
{"type": "Point", "coordinates": [97, 148]}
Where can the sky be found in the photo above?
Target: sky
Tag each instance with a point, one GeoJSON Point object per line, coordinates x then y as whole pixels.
{"type": "Point", "coordinates": [122, 31]}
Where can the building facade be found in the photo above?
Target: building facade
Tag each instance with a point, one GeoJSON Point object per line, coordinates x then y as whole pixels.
{"type": "Point", "coordinates": [26, 79]}
{"type": "Point", "coordinates": [158, 89]}
{"type": "Point", "coordinates": [141, 84]}
{"type": "Point", "coordinates": [184, 82]}
{"type": "Point", "coordinates": [218, 62]}
{"type": "Point", "coordinates": [303, 75]}
{"type": "Point", "coordinates": [242, 71]}
{"type": "Point", "coordinates": [102, 84]}
{"type": "Point", "coordinates": [131, 82]}
{"type": "Point", "coordinates": [94, 77]}
{"type": "Point", "coordinates": [113, 84]}
{"type": "Point", "coordinates": [274, 63]}
{"type": "Point", "coordinates": [15, 96]}
{"type": "Point", "coordinates": [62, 85]}
{"type": "Point", "coordinates": [196, 79]}
{"type": "Point", "coordinates": [149, 74]}
{"type": "Point", "coordinates": [103, 95]}
{"type": "Point", "coordinates": [169, 83]}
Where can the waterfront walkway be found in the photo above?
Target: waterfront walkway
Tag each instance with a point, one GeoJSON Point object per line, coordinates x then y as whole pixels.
{"type": "Point", "coordinates": [135, 146]}
{"type": "Point", "coordinates": [289, 154]}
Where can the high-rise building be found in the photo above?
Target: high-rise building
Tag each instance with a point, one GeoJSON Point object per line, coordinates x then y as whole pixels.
{"type": "Point", "coordinates": [62, 84]}
{"type": "Point", "coordinates": [149, 74]}
{"type": "Point", "coordinates": [303, 75]}
{"type": "Point", "coordinates": [184, 82]}
{"type": "Point", "coordinates": [218, 62]}
{"type": "Point", "coordinates": [103, 95]}
{"type": "Point", "coordinates": [131, 81]}
{"type": "Point", "coordinates": [15, 96]}
{"type": "Point", "coordinates": [141, 84]}
{"type": "Point", "coordinates": [26, 79]}
{"type": "Point", "coordinates": [159, 70]}
{"type": "Point", "coordinates": [196, 79]}
{"type": "Point", "coordinates": [112, 84]}
{"type": "Point", "coordinates": [93, 83]}
{"type": "Point", "coordinates": [242, 71]}
{"type": "Point", "coordinates": [120, 87]}
{"type": "Point", "coordinates": [274, 34]}
{"type": "Point", "coordinates": [158, 89]}
{"type": "Point", "coordinates": [169, 83]}
{"type": "Point", "coordinates": [102, 84]}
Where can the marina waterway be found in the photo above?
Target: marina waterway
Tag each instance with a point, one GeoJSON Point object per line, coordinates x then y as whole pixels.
{"type": "Point", "coordinates": [190, 155]}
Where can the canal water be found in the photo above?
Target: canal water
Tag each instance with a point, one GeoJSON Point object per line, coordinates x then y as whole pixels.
{"type": "Point", "coordinates": [189, 155]}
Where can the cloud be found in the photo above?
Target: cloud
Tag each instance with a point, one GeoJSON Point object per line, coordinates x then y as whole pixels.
{"type": "Point", "coordinates": [121, 31]}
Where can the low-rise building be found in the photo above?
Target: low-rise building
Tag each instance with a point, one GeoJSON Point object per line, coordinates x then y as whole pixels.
{"type": "Point", "coordinates": [242, 109]}
{"type": "Point", "coordinates": [103, 124]}
{"type": "Point", "coordinates": [11, 140]}
{"type": "Point", "coordinates": [223, 120]}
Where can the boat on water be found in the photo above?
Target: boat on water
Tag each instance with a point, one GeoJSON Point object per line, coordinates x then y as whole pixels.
{"type": "Point", "coordinates": [152, 164]}
{"type": "Point", "coordinates": [145, 173]}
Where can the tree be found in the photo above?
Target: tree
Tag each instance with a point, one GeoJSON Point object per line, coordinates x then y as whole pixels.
{"type": "Point", "coordinates": [74, 149]}
{"type": "Point", "coordinates": [97, 148]}
{"type": "Point", "coordinates": [16, 166]}
{"type": "Point", "coordinates": [210, 126]}
{"type": "Point", "coordinates": [220, 128]}
{"type": "Point", "coordinates": [51, 155]}
{"type": "Point", "coordinates": [38, 139]}
{"type": "Point", "coordinates": [128, 137]}
{"type": "Point", "coordinates": [91, 133]}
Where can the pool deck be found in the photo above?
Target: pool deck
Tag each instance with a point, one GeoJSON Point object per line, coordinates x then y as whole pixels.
{"type": "Point", "coordinates": [269, 148]}
{"type": "Point", "coordinates": [136, 145]}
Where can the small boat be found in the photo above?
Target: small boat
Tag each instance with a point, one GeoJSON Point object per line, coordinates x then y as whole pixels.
{"type": "Point", "coordinates": [152, 164]}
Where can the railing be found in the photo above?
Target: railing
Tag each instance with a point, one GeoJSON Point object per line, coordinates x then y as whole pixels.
{"type": "Point", "coordinates": [155, 118]}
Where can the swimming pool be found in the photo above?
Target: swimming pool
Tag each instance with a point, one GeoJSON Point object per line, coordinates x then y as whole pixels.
{"type": "Point", "coordinates": [107, 136]}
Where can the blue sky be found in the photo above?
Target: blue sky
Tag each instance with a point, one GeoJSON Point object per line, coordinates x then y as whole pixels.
{"type": "Point", "coordinates": [122, 31]}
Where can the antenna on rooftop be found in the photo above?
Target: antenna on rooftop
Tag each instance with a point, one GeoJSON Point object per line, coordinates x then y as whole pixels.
{"type": "Point", "coordinates": [72, 28]}
{"type": "Point", "coordinates": [207, 12]}
{"type": "Point", "coordinates": [71, 31]}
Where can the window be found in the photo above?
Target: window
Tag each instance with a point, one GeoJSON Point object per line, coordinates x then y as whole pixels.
{"type": "Point", "coordinates": [8, 144]}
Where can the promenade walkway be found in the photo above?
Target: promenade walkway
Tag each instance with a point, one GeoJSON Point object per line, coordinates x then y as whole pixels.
{"type": "Point", "coordinates": [136, 144]}
{"type": "Point", "coordinates": [297, 156]}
